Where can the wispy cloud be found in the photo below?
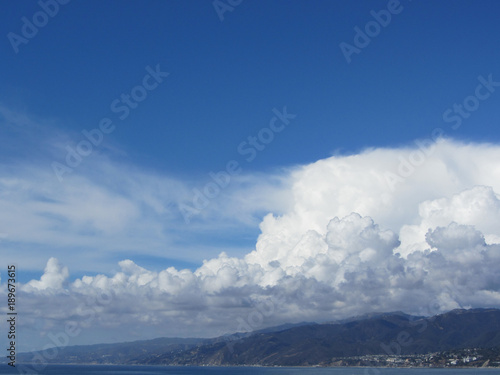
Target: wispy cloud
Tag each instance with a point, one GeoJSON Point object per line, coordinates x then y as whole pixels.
{"type": "Point", "coordinates": [335, 240]}
{"type": "Point", "coordinates": [109, 205]}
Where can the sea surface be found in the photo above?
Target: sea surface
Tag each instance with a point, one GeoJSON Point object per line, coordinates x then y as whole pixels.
{"type": "Point", "coordinates": [174, 370]}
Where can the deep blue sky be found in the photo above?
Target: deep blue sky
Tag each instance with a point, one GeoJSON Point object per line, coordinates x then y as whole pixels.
{"type": "Point", "coordinates": [119, 210]}
{"type": "Point", "coordinates": [225, 77]}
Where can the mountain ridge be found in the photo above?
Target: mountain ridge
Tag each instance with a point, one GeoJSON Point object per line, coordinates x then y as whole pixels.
{"type": "Point", "coordinates": [305, 344]}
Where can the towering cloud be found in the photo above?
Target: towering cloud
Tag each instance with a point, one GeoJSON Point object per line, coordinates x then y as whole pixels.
{"type": "Point", "coordinates": [347, 243]}
{"type": "Point", "coordinates": [52, 279]}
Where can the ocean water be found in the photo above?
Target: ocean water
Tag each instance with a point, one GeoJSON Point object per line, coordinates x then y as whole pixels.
{"type": "Point", "coordinates": [174, 370]}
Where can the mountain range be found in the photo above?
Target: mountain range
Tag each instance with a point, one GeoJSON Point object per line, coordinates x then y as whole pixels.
{"type": "Point", "coordinates": [303, 344]}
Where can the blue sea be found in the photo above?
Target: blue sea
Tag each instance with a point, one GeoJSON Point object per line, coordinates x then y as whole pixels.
{"type": "Point", "coordinates": [174, 370]}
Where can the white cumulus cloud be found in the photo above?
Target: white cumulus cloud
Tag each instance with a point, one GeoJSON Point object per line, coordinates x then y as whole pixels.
{"type": "Point", "coordinates": [346, 243]}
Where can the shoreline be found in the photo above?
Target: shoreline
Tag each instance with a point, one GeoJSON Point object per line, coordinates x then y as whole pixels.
{"type": "Point", "coordinates": [264, 366]}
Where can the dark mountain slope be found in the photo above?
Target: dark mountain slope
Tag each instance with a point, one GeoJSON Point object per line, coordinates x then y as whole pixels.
{"type": "Point", "coordinates": [307, 344]}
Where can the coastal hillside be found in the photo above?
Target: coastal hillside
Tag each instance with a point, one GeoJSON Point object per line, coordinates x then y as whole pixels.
{"type": "Point", "coordinates": [391, 334]}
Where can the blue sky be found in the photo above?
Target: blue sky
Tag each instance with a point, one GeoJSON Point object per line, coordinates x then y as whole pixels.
{"type": "Point", "coordinates": [227, 79]}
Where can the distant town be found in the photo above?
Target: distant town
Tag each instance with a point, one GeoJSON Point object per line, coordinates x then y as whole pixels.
{"type": "Point", "coordinates": [458, 338]}
{"type": "Point", "coordinates": [476, 357]}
